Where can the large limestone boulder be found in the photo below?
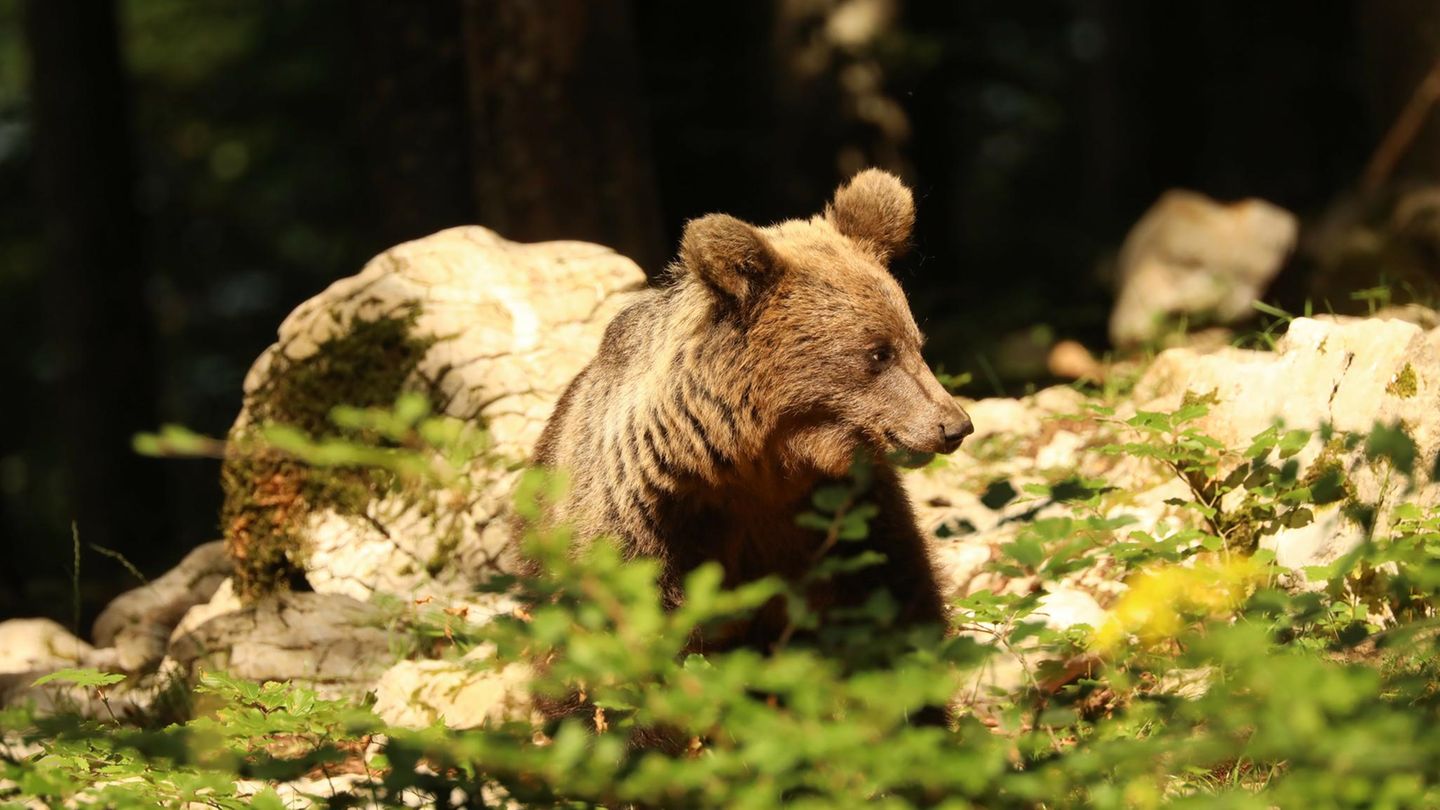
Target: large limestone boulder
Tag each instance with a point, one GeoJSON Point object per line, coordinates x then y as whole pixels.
{"type": "Point", "coordinates": [490, 330]}
{"type": "Point", "coordinates": [1192, 257]}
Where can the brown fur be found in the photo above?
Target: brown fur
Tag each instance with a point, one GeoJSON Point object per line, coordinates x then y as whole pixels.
{"type": "Point", "coordinates": [722, 398]}
{"type": "Point", "coordinates": [877, 210]}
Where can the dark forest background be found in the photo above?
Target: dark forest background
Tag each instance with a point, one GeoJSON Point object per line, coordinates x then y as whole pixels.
{"type": "Point", "coordinates": [176, 175]}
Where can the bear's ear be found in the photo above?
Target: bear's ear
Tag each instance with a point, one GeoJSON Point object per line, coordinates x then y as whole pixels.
{"type": "Point", "coordinates": [875, 209]}
{"type": "Point", "coordinates": [730, 256]}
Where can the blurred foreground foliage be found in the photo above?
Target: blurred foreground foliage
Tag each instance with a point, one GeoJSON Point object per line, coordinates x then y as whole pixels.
{"type": "Point", "coordinates": [1218, 679]}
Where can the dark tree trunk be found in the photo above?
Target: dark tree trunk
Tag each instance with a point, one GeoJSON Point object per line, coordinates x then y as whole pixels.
{"type": "Point", "coordinates": [98, 322]}
{"type": "Point", "coordinates": [413, 124]}
{"type": "Point", "coordinates": [559, 135]}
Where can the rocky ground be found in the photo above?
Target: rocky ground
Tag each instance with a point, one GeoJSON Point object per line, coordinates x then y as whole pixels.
{"type": "Point", "coordinates": [492, 330]}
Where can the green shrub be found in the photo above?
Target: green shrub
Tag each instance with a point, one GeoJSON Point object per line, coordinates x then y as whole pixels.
{"type": "Point", "coordinates": [1210, 685]}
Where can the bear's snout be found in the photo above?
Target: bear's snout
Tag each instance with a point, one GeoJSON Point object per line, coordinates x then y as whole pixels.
{"type": "Point", "coordinates": [934, 422]}
{"type": "Point", "coordinates": [939, 427]}
{"type": "Point", "coordinates": [954, 430]}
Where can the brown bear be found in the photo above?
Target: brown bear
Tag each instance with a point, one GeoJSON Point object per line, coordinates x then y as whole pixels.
{"type": "Point", "coordinates": [751, 374]}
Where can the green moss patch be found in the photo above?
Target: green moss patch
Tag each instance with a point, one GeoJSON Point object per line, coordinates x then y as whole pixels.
{"type": "Point", "coordinates": [268, 495]}
{"type": "Point", "coordinates": [1405, 384]}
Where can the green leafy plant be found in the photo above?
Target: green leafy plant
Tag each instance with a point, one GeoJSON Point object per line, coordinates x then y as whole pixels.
{"type": "Point", "coordinates": [1207, 685]}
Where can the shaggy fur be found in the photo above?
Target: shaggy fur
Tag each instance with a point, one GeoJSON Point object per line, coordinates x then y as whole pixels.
{"type": "Point", "coordinates": [752, 374]}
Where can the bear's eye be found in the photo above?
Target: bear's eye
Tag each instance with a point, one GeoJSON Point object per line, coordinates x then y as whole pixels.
{"type": "Point", "coordinates": [880, 356]}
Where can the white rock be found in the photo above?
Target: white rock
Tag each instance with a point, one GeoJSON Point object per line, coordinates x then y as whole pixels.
{"type": "Point", "coordinates": [959, 562]}
{"type": "Point", "coordinates": [1061, 452]}
{"type": "Point", "coordinates": [462, 693]}
{"type": "Point", "coordinates": [335, 643]}
{"type": "Point", "coordinates": [223, 601]}
{"type": "Point", "coordinates": [303, 793]}
{"type": "Point", "coordinates": [1003, 416]}
{"type": "Point", "coordinates": [1064, 607]}
{"type": "Point", "coordinates": [40, 645]}
{"type": "Point", "coordinates": [1189, 255]}
{"type": "Point", "coordinates": [512, 325]}
{"type": "Point", "coordinates": [1329, 537]}
{"type": "Point", "coordinates": [498, 299]}
{"type": "Point", "coordinates": [1349, 373]}
{"type": "Point", "coordinates": [138, 623]}
{"type": "Point", "coordinates": [1060, 608]}
{"type": "Point", "coordinates": [1188, 684]}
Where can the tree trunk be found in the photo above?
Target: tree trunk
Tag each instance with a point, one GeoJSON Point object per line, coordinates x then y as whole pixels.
{"type": "Point", "coordinates": [99, 324]}
{"type": "Point", "coordinates": [559, 135]}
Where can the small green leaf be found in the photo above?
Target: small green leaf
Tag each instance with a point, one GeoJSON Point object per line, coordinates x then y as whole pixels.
{"type": "Point", "coordinates": [1393, 444]}
{"type": "Point", "coordinates": [812, 520]}
{"type": "Point", "coordinates": [1297, 518]}
{"type": "Point", "coordinates": [1293, 442]}
{"type": "Point", "coordinates": [1263, 442]}
{"type": "Point", "coordinates": [1026, 551]}
{"type": "Point", "coordinates": [80, 677]}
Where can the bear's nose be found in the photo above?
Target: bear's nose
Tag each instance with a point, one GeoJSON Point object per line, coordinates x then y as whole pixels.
{"type": "Point", "coordinates": [955, 430]}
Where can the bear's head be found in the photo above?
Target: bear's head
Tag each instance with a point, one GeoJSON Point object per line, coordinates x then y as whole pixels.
{"type": "Point", "coordinates": [828, 334]}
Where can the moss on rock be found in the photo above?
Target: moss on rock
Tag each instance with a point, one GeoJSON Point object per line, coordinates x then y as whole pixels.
{"type": "Point", "coordinates": [269, 495]}
{"type": "Point", "coordinates": [1405, 384]}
